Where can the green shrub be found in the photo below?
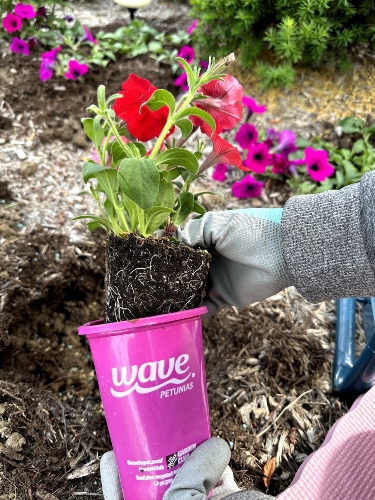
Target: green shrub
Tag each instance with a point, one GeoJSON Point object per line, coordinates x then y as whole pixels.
{"type": "Point", "coordinates": [307, 31]}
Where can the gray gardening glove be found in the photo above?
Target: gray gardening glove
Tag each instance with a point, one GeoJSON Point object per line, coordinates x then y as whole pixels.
{"type": "Point", "coordinates": [206, 467]}
{"type": "Point", "coordinates": [248, 265]}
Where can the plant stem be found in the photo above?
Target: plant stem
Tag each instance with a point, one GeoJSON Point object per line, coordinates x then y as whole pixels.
{"type": "Point", "coordinates": [124, 146]}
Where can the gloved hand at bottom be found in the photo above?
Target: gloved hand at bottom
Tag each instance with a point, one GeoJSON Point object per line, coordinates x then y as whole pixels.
{"type": "Point", "coordinates": [204, 474]}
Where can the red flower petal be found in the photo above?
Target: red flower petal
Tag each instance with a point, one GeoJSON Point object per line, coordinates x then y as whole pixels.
{"type": "Point", "coordinates": [223, 102]}
{"type": "Point", "coordinates": [143, 124]}
{"type": "Point", "coordinates": [223, 152]}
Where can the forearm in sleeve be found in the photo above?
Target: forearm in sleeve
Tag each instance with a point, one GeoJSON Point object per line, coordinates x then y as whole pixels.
{"type": "Point", "coordinates": [328, 242]}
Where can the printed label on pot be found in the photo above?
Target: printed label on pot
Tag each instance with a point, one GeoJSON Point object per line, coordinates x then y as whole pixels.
{"type": "Point", "coordinates": [162, 373]}
{"type": "Point", "coordinates": [151, 470]}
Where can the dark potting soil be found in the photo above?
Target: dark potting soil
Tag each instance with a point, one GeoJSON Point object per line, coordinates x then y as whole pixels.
{"type": "Point", "coordinates": [152, 276]}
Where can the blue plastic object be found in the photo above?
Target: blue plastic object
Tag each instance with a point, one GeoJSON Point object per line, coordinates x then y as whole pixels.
{"type": "Point", "coordinates": [351, 374]}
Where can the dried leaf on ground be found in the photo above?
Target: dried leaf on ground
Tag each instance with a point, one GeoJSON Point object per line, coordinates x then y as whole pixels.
{"type": "Point", "coordinates": [268, 471]}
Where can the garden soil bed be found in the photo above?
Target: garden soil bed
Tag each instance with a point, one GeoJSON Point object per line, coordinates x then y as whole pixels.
{"type": "Point", "coordinates": [259, 358]}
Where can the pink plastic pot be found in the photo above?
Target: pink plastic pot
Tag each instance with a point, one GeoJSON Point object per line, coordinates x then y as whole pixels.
{"type": "Point", "coordinates": [153, 386]}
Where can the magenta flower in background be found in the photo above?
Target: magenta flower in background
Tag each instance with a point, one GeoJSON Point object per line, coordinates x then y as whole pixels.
{"type": "Point", "coordinates": [258, 158]}
{"type": "Point", "coordinates": [247, 135]}
{"type": "Point", "coordinates": [19, 46]}
{"type": "Point", "coordinates": [220, 172]}
{"type": "Point", "coordinates": [203, 65]}
{"type": "Point", "coordinates": [11, 23]}
{"type": "Point", "coordinates": [252, 107]}
{"type": "Point", "coordinates": [271, 137]}
{"type": "Point", "coordinates": [186, 52]}
{"type": "Point", "coordinates": [75, 70]}
{"type": "Point", "coordinates": [286, 143]}
{"type": "Point", "coordinates": [247, 187]}
{"type": "Point", "coordinates": [280, 164]}
{"type": "Point", "coordinates": [88, 37]}
{"type": "Point", "coordinates": [317, 165]}
{"type": "Point", "coordinates": [24, 10]}
{"type": "Point", "coordinates": [192, 27]}
{"type": "Point", "coordinates": [48, 62]}
{"type": "Point", "coordinates": [181, 81]}
{"type": "Point", "coordinates": [68, 19]}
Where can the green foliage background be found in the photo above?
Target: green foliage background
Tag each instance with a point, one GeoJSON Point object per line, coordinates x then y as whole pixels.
{"type": "Point", "coordinates": [308, 31]}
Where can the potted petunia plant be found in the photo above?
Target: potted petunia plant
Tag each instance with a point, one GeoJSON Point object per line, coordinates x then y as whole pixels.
{"type": "Point", "coordinates": [142, 190]}
{"type": "Point", "coordinates": [148, 351]}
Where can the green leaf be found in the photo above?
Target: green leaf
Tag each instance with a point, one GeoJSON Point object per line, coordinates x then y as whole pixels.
{"type": "Point", "coordinates": [88, 125]}
{"type": "Point", "coordinates": [172, 174]}
{"type": "Point", "coordinates": [185, 126]}
{"type": "Point", "coordinates": [198, 208]}
{"type": "Point", "coordinates": [101, 97]}
{"type": "Point", "coordinates": [178, 157]}
{"type": "Point", "coordinates": [351, 173]}
{"type": "Point", "coordinates": [185, 206]}
{"type": "Point", "coordinates": [302, 143]}
{"type": "Point", "coordinates": [108, 183]}
{"type": "Point", "coordinates": [99, 220]}
{"type": "Point", "coordinates": [166, 196]}
{"type": "Point", "coordinates": [139, 180]}
{"type": "Point", "coordinates": [189, 72]}
{"type": "Point", "coordinates": [339, 178]}
{"type": "Point", "coordinates": [89, 170]}
{"type": "Point", "coordinates": [198, 112]}
{"type": "Point", "coordinates": [159, 99]}
{"type": "Point", "coordinates": [359, 146]}
{"type": "Point", "coordinates": [351, 125]}
{"type": "Point", "coordinates": [154, 218]}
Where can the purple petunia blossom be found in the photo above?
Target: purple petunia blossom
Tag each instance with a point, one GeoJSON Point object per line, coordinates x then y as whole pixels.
{"type": "Point", "coordinates": [75, 70]}
{"type": "Point", "coordinates": [247, 135]}
{"type": "Point", "coordinates": [11, 23]}
{"type": "Point", "coordinates": [252, 107]}
{"type": "Point", "coordinates": [32, 41]}
{"type": "Point", "coordinates": [41, 12]}
{"type": "Point", "coordinates": [181, 81]}
{"type": "Point", "coordinates": [247, 187]}
{"type": "Point", "coordinates": [203, 65]}
{"type": "Point", "coordinates": [317, 165]}
{"type": "Point", "coordinates": [25, 10]}
{"type": "Point", "coordinates": [19, 46]}
{"type": "Point", "coordinates": [280, 164]}
{"type": "Point", "coordinates": [88, 37]}
{"type": "Point", "coordinates": [48, 62]}
{"type": "Point", "coordinates": [220, 172]}
{"type": "Point", "coordinates": [258, 158]}
{"type": "Point", "coordinates": [286, 143]}
{"type": "Point", "coordinates": [192, 27]}
{"type": "Point", "coordinates": [68, 19]}
{"type": "Point", "coordinates": [186, 52]}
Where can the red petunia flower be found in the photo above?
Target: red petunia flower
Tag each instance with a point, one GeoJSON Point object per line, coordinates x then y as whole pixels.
{"type": "Point", "coordinates": [223, 103]}
{"type": "Point", "coordinates": [223, 152]}
{"type": "Point", "coordinates": [144, 124]}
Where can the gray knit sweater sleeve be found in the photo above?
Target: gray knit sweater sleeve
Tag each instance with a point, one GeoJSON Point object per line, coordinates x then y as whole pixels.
{"type": "Point", "coordinates": [328, 242]}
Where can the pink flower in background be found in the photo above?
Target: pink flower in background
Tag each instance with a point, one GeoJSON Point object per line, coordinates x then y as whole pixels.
{"type": "Point", "coordinates": [317, 165]}
{"type": "Point", "coordinates": [11, 23]}
{"type": "Point", "coordinates": [286, 143]}
{"type": "Point", "coordinates": [247, 135]}
{"type": "Point", "coordinates": [181, 81]}
{"type": "Point", "coordinates": [19, 46]}
{"type": "Point", "coordinates": [203, 65]}
{"type": "Point", "coordinates": [192, 27]}
{"type": "Point", "coordinates": [49, 59]}
{"type": "Point", "coordinates": [75, 70]}
{"type": "Point", "coordinates": [271, 137]}
{"type": "Point", "coordinates": [280, 164]}
{"type": "Point", "coordinates": [220, 172]}
{"type": "Point", "coordinates": [258, 158]}
{"type": "Point", "coordinates": [25, 10]}
{"type": "Point", "coordinates": [248, 187]}
{"type": "Point", "coordinates": [186, 52]}
{"type": "Point", "coordinates": [32, 41]}
{"type": "Point", "coordinates": [108, 158]}
{"type": "Point", "coordinates": [252, 107]}
{"type": "Point", "coordinates": [88, 37]}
